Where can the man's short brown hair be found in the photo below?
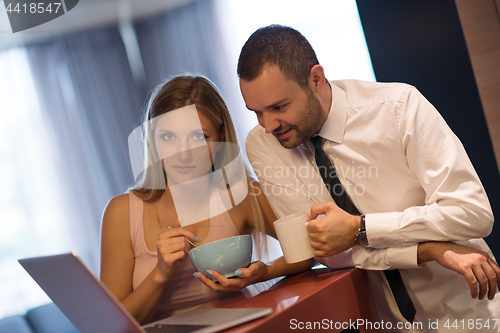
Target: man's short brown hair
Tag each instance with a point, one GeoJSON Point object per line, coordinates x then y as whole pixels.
{"type": "Point", "coordinates": [277, 45]}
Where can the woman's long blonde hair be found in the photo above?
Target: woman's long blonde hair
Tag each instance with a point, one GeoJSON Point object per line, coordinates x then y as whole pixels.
{"type": "Point", "coordinates": [176, 93]}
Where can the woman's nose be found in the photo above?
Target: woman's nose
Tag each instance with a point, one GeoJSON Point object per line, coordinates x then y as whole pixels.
{"type": "Point", "coordinates": [184, 153]}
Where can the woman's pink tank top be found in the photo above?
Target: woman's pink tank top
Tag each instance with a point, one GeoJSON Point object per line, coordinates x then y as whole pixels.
{"type": "Point", "coordinates": [184, 291]}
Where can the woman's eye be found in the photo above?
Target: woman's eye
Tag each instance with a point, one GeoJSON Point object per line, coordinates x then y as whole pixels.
{"type": "Point", "coordinates": [199, 136]}
{"type": "Point", "coordinates": [168, 137]}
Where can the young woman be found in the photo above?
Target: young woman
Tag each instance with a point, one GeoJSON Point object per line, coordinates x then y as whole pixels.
{"type": "Point", "coordinates": [191, 170]}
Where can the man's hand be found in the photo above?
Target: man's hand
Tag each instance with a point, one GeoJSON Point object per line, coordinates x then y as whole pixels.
{"type": "Point", "coordinates": [476, 266]}
{"type": "Point", "coordinates": [335, 233]}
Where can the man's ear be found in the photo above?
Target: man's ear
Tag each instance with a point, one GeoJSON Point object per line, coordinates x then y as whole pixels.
{"type": "Point", "coordinates": [317, 78]}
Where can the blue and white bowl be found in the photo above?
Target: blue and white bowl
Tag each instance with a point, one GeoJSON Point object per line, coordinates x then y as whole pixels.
{"type": "Point", "coordinates": [224, 256]}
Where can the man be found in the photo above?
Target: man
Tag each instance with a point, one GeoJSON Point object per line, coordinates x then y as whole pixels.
{"type": "Point", "coordinates": [413, 199]}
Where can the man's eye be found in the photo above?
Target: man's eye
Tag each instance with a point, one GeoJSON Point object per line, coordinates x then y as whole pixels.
{"type": "Point", "coordinates": [168, 137]}
{"type": "Point", "coordinates": [199, 136]}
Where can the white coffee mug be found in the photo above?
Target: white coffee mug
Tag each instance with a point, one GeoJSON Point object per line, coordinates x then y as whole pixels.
{"type": "Point", "coordinates": [294, 238]}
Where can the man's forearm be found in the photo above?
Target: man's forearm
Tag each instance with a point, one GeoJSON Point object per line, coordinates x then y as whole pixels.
{"type": "Point", "coordinates": [426, 252]}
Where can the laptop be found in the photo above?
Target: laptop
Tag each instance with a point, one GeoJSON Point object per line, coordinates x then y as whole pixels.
{"type": "Point", "coordinates": [92, 308]}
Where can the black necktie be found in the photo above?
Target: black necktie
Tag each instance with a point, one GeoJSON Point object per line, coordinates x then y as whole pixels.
{"type": "Point", "coordinates": [330, 178]}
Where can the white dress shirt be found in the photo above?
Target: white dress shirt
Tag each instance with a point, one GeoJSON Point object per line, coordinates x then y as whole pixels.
{"type": "Point", "coordinates": [404, 168]}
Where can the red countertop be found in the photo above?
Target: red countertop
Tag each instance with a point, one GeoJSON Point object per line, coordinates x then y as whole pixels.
{"type": "Point", "coordinates": [331, 298]}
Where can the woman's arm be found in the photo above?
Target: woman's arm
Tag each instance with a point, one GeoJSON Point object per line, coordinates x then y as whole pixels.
{"type": "Point", "coordinates": [117, 261]}
{"type": "Point", "coordinates": [477, 267]}
{"type": "Point", "coordinates": [267, 212]}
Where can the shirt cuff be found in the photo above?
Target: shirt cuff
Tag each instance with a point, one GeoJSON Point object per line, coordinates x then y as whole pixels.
{"type": "Point", "coordinates": [382, 230]}
{"type": "Point", "coordinates": [382, 259]}
{"type": "Point", "coordinates": [403, 257]}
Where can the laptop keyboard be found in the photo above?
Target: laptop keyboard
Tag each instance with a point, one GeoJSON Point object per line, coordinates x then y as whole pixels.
{"type": "Point", "coordinates": [165, 328]}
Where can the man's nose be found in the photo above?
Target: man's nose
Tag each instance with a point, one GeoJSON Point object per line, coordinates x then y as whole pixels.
{"type": "Point", "coordinates": [269, 122]}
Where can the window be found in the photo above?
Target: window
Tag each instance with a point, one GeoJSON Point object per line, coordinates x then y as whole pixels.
{"type": "Point", "coordinates": [31, 220]}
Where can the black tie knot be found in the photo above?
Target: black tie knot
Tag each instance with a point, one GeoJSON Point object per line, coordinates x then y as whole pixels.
{"type": "Point", "coordinates": [317, 141]}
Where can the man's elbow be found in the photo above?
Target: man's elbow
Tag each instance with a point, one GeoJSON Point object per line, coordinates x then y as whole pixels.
{"type": "Point", "coordinates": [485, 223]}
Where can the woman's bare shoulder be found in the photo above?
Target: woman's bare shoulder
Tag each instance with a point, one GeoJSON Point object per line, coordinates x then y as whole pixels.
{"type": "Point", "coordinates": [117, 210]}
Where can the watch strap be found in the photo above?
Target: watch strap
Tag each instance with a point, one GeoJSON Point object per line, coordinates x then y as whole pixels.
{"type": "Point", "coordinates": [361, 237]}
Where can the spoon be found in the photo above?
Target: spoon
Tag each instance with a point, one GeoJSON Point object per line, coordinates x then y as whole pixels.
{"type": "Point", "coordinates": [186, 239]}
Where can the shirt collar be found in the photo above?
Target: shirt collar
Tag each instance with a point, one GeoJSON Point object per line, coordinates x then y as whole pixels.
{"type": "Point", "coordinates": [334, 127]}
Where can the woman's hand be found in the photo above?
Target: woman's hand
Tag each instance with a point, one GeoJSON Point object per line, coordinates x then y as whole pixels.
{"type": "Point", "coordinates": [171, 248]}
{"type": "Point", "coordinates": [254, 273]}
{"type": "Point", "coordinates": [476, 266]}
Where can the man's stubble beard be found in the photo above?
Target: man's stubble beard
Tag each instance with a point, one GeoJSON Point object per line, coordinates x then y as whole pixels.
{"type": "Point", "coordinates": [309, 122]}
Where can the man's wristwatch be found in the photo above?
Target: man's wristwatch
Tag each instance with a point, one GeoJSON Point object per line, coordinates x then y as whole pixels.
{"type": "Point", "coordinates": [361, 236]}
